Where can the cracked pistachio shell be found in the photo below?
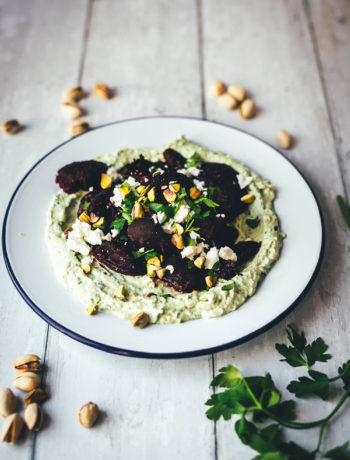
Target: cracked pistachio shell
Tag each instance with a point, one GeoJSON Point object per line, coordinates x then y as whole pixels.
{"type": "Point", "coordinates": [35, 396]}
{"type": "Point", "coordinates": [8, 402]}
{"type": "Point", "coordinates": [27, 381]}
{"type": "Point", "coordinates": [33, 417]}
{"type": "Point", "coordinates": [88, 414]}
{"type": "Point", "coordinates": [11, 428]}
{"type": "Point", "coordinates": [27, 363]}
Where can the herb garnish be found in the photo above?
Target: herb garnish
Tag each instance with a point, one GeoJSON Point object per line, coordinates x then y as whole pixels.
{"type": "Point", "coordinates": [253, 223]}
{"type": "Point", "coordinates": [228, 287]}
{"type": "Point", "coordinates": [259, 399]}
{"type": "Point", "coordinates": [118, 224]}
{"type": "Point", "coordinates": [193, 160]}
{"type": "Point", "coordinates": [86, 205]}
{"type": "Point", "coordinates": [344, 209]}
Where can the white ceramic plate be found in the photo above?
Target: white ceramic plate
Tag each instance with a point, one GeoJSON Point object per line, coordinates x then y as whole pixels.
{"type": "Point", "coordinates": [30, 268]}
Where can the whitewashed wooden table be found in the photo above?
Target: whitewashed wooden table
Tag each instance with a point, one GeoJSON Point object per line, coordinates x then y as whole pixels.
{"type": "Point", "coordinates": [294, 59]}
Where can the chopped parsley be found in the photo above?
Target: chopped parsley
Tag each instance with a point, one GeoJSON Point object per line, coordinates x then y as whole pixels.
{"type": "Point", "coordinates": [228, 287]}
{"type": "Point", "coordinates": [118, 224]}
{"type": "Point", "coordinates": [194, 160]}
{"type": "Point", "coordinates": [86, 205]}
{"type": "Point", "coordinates": [253, 223]}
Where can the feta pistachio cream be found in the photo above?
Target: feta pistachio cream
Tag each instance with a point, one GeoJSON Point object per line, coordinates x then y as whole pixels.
{"type": "Point", "coordinates": [74, 242]}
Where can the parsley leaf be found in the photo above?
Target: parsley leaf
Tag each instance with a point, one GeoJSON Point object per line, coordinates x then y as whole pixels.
{"type": "Point", "coordinates": [193, 160]}
{"type": "Point", "coordinates": [264, 440]}
{"type": "Point", "coordinates": [338, 453]}
{"type": "Point", "coordinates": [318, 385]}
{"type": "Point", "coordinates": [228, 287]}
{"type": "Point", "coordinates": [118, 224]}
{"type": "Point", "coordinates": [344, 209]}
{"type": "Point", "coordinates": [300, 354]}
{"type": "Point", "coordinates": [207, 201]}
{"type": "Point", "coordinates": [86, 205]}
{"type": "Point", "coordinates": [253, 223]}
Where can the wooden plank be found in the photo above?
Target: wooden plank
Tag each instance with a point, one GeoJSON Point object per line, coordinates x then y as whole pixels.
{"type": "Point", "coordinates": [153, 409]}
{"type": "Point", "coordinates": [34, 70]}
{"type": "Point", "coordinates": [266, 46]}
{"type": "Point", "coordinates": [330, 28]}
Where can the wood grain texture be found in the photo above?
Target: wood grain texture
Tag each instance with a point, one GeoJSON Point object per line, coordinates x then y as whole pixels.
{"type": "Point", "coordinates": [269, 50]}
{"type": "Point", "coordinates": [33, 72]}
{"type": "Point", "coordinates": [149, 406]}
{"type": "Point", "coordinates": [161, 56]}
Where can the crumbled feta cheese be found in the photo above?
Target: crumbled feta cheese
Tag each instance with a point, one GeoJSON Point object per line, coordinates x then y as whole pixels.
{"type": "Point", "coordinates": [114, 232]}
{"type": "Point", "coordinates": [82, 234]}
{"type": "Point", "coordinates": [132, 182]}
{"type": "Point", "coordinates": [227, 253]}
{"type": "Point", "coordinates": [117, 198]}
{"type": "Point", "coordinates": [155, 218]}
{"type": "Point", "coordinates": [191, 251]}
{"type": "Point", "coordinates": [194, 171]}
{"type": "Point", "coordinates": [244, 181]}
{"type": "Point", "coordinates": [168, 227]}
{"type": "Point", "coordinates": [170, 268]}
{"type": "Point", "coordinates": [91, 189]}
{"type": "Point", "coordinates": [113, 173]}
{"type": "Point", "coordinates": [183, 171]}
{"type": "Point", "coordinates": [211, 258]}
{"type": "Point", "coordinates": [107, 237]}
{"type": "Point", "coordinates": [194, 235]}
{"type": "Point", "coordinates": [161, 216]}
{"type": "Point", "coordinates": [87, 260]}
{"type": "Point", "coordinates": [182, 213]}
{"type": "Point", "coordinates": [160, 171]}
{"type": "Point", "coordinates": [199, 184]}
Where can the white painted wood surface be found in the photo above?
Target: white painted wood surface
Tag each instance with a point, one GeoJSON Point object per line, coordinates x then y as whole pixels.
{"type": "Point", "coordinates": [293, 58]}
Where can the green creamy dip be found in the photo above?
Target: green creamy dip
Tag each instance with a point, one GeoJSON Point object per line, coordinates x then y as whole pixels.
{"type": "Point", "coordinates": [96, 289]}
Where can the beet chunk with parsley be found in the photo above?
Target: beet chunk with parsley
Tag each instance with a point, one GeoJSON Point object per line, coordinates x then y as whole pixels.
{"type": "Point", "coordinates": [174, 159]}
{"type": "Point", "coordinates": [139, 170]}
{"type": "Point", "coordinates": [182, 279]}
{"type": "Point", "coordinates": [118, 257]}
{"type": "Point", "coordinates": [245, 251]}
{"type": "Point", "coordinates": [80, 175]}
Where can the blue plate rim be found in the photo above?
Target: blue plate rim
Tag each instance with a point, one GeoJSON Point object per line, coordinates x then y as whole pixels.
{"type": "Point", "coordinates": [139, 354]}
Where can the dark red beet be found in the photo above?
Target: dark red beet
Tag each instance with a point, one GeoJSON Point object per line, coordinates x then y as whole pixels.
{"type": "Point", "coordinates": [182, 279]}
{"type": "Point", "coordinates": [139, 170]}
{"type": "Point", "coordinates": [218, 175]}
{"type": "Point", "coordinates": [208, 227]}
{"type": "Point", "coordinates": [226, 236]}
{"type": "Point", "coordinates": [80, 175]}
{"type": "Point", "coordinates": [118, 258]}
{"type": "Point", "coordinates": [174, 159]}
{"type": "Point", "coordinates": [230, 202]}
{"type": "Point", "coordinates": [245, 251]}
{"type": "Point", "coordinates": [146, 234]}
{"type": "Point", "coordinates": [86, 199]}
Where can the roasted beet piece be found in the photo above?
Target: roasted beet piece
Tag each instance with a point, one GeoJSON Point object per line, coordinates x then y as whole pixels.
{"type": "Point", "coordinates": [174, 159]}
{"type": "Point", "coordinates": [226, 236]}
{"type": "Point", "coordinates": [218, 175]}
{"type": "Point", "coordinates": [118, 257]}
{"type": "Point", "coordinates": [245, 251]}
{"type": "Point", "coordinates": [139, 170]}
{"type": "Point", "coordinates": [208, 227]}
{"type": "Point", "coordinates": [182, 279]}
{"type": "Point", "coordinates": [80, 175]}
{"type": "Point", "coordinates": [86, 200]}
{"type": "Point", "coordinates": [171, 176]}
{"type": "Point", "coordinates": [230, 202]}
{"type": "Point", "coordinates": [146, 234]}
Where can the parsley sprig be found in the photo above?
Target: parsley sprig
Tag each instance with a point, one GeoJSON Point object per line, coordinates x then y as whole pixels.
{"type": "Point", "coordinates": [256, 400]}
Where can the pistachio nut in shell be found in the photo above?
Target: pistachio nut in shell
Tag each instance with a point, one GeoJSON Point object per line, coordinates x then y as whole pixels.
{"type": "Point", "coordinates": [11, 428]}
{"type": "Point", "coordinates": [27, 363]}
{"type": "Point", "coordinates": [33, 417]}
{"type": "Point", "coordinates": [8, 402]}
{"type": "Point", "coordinates": [27, 381]}
{"type": "Point", "coordinates": [88, 414]}
{"type": "Point", "coordinates": [35, 396]}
